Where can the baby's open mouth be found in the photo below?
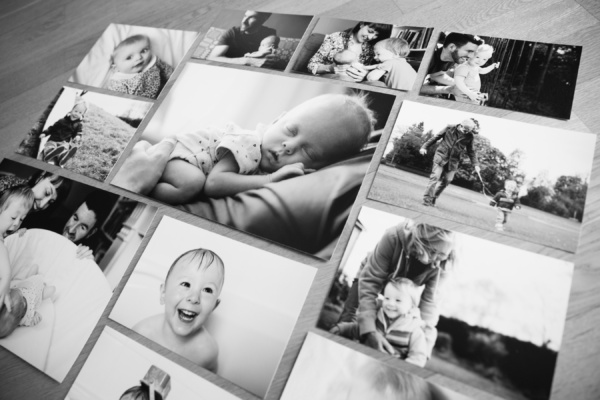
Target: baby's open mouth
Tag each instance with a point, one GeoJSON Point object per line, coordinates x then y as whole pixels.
{"type": "Point", "coordinates": [186, 316]}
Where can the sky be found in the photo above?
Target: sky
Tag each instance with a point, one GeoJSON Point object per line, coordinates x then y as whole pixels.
{"type": "Point", "coordinates": [556, 151]}
{"type": "Point", "coordinates": [514, 292]}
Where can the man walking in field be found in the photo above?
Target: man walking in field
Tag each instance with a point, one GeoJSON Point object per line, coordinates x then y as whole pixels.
{"type": "Point", "coordinates": [453, 141]}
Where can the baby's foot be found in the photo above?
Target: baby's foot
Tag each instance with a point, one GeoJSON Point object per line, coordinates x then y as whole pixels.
{"type": "Point", "coordinates": [36, 319]}
{"type": "Point", "coordinates": [49, 292]}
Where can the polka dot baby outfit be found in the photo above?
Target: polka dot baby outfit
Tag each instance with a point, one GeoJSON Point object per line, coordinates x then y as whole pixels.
{"type": "Point", "coordinates": [32, 289]}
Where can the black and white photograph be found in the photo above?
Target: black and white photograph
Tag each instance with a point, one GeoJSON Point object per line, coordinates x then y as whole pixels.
{"type": "Point", "coordinates": [68, 248]}
{"type": "Point", "coordinates": [84, 132]}
{"type": "Point", "coordinates": [337, 372]}
{"type": "Point", "coordinates": [531, 77]}
{"type": "Point", "coordinates": [131, 371]}
{"type": "Point", "coordinates": [228, 307]}
{"type": "Point", "coordinates": [518, 180]}
{"type": "Point", "coordinates": [478, 312]}
{"type": "Point", "coordinates": [134, 60]}
{"type": "Point", "coordinates": [253, 38]}
{"type": "Point", "coordinates": [279, 157]}
{"type": "Point", "coordinates": [376, 54]}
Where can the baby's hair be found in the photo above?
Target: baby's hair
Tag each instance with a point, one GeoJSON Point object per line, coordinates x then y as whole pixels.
{"type": "Point", "coordinates": [485, 48]}
{"type": "Point", "coordinates": [405, 285]}
{"type": "Point", "coordinates": [10, 320]}
{"type": "Point", "coordinates": [477, 126]}
{"type": "Point", "coordinates": [17, 192]}
{"type": "Point", "coordinates": [276, 39]}
{"type": "Point", "coordinates": [203, 258]}
{"type": "Point", "coordinates": [424, 236]}
{"type": "Point", "coordinates": [358, 105]}
{"type": "Point", "coordinates": [80, 104]}
{"type": "Point", "coordinates": [388, 383]}
{"type": "Point", "coordinates": [398, 46]}
{"type": "Point", "coordinates": [460, 39]}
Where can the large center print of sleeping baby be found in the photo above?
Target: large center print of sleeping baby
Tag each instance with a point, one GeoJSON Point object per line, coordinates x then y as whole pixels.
{"type": "Point", "coordinates": [277, 156]}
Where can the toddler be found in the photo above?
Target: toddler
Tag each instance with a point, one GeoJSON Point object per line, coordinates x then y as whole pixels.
{"type": "Point", "coordinates": [135, 70]}
{"type": "Point", "coordinates": [466, 75]}
{"type": "Point", "coordinates": [267, 46]}
{"type": "Point", "coordinates": [64, 136]}
{"type": "Point", "coordinates": [505, 200]}
{"type": "Point", "coordinates": [393, 69]}
{"type": "Point", "coordinates": [224, 162]}
{"type": "Point", "coordinates": [190, 294]}
{"type": "Point", "coordinates": [398, 320]}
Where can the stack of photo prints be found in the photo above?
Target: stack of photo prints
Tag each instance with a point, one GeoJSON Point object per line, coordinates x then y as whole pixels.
{"type": "Point", "coordinates": [458, 265]}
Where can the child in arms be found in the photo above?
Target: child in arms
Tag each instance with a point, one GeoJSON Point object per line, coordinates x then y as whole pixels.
{"type": "Point", "coordinates": [135, 70]}
{"type": "Point", "coordinates": [226, 161]}
{"type": "Point", "coordinates": [398, 320]}
{"type": "Point", "coordinates": [466, 75]}
{"type": "Point", "coordinates": [267, 46]}
{"type": "Point", "coordinates": [19, 299]}
{"type": "Point", "coordinates": [190, 294]}
{"type": "Point", "coordinates": [393, 69]}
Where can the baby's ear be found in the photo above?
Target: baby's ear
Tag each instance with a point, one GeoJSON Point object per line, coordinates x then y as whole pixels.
{"type": "Point", "coordinates": [217, 304]}
{"type": "Point", "coordinates": [162, 294]}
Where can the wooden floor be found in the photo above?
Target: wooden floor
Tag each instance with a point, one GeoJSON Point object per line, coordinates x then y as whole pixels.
{"type": "Point", "coordinates": [42, 41]}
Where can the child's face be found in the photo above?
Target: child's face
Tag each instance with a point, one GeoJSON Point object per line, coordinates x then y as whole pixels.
{"type": "Point", "coordinates": [382, 54]}
{"type": "Point", "coordinates": [12, 216]}
{"type": "Point", "coordinates": [77, 113]}
{"type": "Point", "coordinates": [190, 295]}
{"type": "Point", "coordinates": [311, 133]}
{"type": "Point", "coordinates": [479, 59]}
{"type": "Point", "coordinates": [267, 43]}
{"type": "Point", "coordinates": [133, 58]}
{"type": "Point", "coordinates": [395, 302]}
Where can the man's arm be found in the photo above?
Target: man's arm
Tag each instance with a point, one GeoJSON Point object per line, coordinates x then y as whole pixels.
{"type": "Point", "coordinates": [219, 51]}
{"type": "Point", "coordinates": [473, 156]}
{"type": "Point", "coordinates": [433, 90]}
{"type": "Point", "coordinates": [432, 140]}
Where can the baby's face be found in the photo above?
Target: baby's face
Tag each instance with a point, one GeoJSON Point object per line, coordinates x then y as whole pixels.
{"type": "Point", "coordinates": [133, 58]}
{"type": "Point", "coordinates": [395, 302]}
{"type": "Point", "coordinates": [190, 295]}
{"type": "Point", "coordinates": [12, 216]}
{"type": "Point", "coordinates": [77, 113]}
{"type": "Point", "coordinates": [479, 59]}
{"type": "Point", "coordinates": [382, 54]}
{"type": "Point", "coordinates": [311, 133]}
{"type": "Point", "coordinates": [267, 44]}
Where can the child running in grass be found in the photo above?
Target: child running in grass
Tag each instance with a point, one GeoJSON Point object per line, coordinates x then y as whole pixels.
{"type": "Point", "coordinates": [466, 75]}
{"type": "Point", "coordinates": [398, 321]}
{"type": "Point", "coordinates": [505, 200]}
{"type": "Point", "coordinates": [225, 161]}
{"type": "Point", "coordinates": [190, 294]}
{"type": "Point", "coordinates": [136, 70]}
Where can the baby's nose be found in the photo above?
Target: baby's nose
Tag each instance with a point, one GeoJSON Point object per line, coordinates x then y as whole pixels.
{"type": "Point", "coordinates": [194, 297]}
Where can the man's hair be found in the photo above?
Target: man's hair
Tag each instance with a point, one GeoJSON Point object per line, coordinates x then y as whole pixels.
{"type": "Point", "coordinates": [400, 47]}
{"type": "Point", "coordinates": [203, 259]}
{"type": "Point", "coordinates": [12, 193]}
{"type": "Point", "coordinates": [405, 285]}
{"type": "Point", "coordinates": [101, 203]}
{"type": "Point", "coordinates": [460, 39]}
{"type": "Point", "coordinates": [10, 320]}
{"type": "Point", "coordinates": [262, 16]}
{"type": "Point", "coordinates": [383, 30]}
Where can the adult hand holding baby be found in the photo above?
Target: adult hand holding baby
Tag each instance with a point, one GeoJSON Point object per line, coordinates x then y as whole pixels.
{"type": "Point", "coordinates": [143, 168]}
{"type": "Point", "coordinates": [357, 71]}
{"type": "Point", "coordinates": [266, 62]}
{"type": "Point", "coordinates": [290, 171]}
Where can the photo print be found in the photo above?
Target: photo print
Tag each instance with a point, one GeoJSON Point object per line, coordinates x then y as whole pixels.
{"type": "Point", "coordinates": [524, 181]}
{"type": "Point", "coordinates": [140, 371]}
{"type": "Point", "coordinates": [482, 313]}
{"type": "Point", "coordinates": [66, 258]}
{"type": "Point", "coordinates": [135, 60]}
{"type": "Point", "coordinates": [253, 38]}
{"type": "Point", "coordinates": [337, 372]}
{"type": "Point", "coordinates": [532, 77]}
{"type": "Point", "coordinates": [382, 55]}
{"type": "Point", "coordinates": [278, 157]}
{"type": "Point", "coordinates": [84, 132]}
{"type": "Point", "coordinates": [231, 303]}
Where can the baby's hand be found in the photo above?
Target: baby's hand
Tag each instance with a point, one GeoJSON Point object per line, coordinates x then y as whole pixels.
{"type": "Point", "coordinates": [473, 96]}
{"type": "Point", "coordinates": [496, 65]}
{"type": "Point", "coordinates": [289, 171]}
{"type": "Point", "coordinates": [21, 232]}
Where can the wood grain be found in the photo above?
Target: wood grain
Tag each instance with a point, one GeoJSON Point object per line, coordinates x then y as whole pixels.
{"type": "Point", "coordinates": [43, 41]}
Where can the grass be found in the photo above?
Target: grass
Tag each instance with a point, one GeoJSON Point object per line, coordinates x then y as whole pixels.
{"type": "Point", "coordinates": [405, 189]}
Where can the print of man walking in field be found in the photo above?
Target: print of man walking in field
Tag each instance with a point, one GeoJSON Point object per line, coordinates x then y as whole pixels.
{"type": "Point", "coordinates": [453, 141]}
